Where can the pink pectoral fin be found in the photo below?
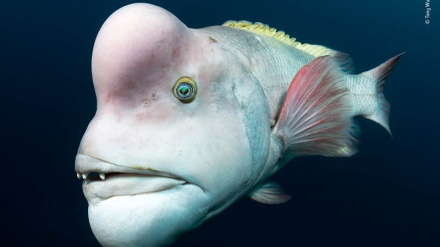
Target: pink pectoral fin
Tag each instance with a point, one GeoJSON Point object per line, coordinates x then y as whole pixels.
{"type": "Point", "coordinates": [316, 117]}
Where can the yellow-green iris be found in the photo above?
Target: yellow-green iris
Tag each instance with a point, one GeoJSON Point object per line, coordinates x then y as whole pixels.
{"type": "Point", "coordinates": [185, 89]}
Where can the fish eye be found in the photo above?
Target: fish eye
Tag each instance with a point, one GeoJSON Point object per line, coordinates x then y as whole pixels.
{"type": "Point", "coordinates": [185, 89]}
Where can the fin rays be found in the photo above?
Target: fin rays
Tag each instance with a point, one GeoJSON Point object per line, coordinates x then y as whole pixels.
{"type": "Point", "coordinates": [260, 28]}
{"type": "Point", "coordinates": [269, 193]}
{"type": "Point", "coordinates": [316, 116]}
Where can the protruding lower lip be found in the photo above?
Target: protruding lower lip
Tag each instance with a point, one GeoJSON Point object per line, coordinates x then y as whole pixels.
{"type": "Point", "coordinates": [103, 179]}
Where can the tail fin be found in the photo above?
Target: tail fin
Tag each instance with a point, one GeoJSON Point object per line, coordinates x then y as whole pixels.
{"type": "Point", "coordinates": [380, 113]}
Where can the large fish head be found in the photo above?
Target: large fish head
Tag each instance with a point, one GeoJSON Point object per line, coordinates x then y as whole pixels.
{"type": "Point", "coordinates": [181, 129]}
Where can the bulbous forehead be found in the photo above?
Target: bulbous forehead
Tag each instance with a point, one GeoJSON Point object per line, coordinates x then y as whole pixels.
{"type": "Point", "coordinates": [135, 42]}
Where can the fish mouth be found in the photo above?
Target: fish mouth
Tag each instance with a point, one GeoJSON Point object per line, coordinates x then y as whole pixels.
{"type": "Point", "coordinates": [103, 179]}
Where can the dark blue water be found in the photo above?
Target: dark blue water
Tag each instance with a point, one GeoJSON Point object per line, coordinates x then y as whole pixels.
{"type": "Point", "coordinates": [386, 195]}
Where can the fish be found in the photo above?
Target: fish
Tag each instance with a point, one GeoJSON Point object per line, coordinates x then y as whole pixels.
{"type": "Point", "coordinates": [190, 120]}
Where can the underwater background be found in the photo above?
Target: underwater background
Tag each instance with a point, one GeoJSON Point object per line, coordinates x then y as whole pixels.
{"type": "Point", "coordinates": [388, 194]}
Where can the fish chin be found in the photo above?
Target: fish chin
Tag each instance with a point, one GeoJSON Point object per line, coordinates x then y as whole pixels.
{"type": "Point", "coordinates": [152, 219]}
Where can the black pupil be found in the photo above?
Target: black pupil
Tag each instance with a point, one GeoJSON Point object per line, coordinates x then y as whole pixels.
{"type": "Point", "coordinates": [184, 89]}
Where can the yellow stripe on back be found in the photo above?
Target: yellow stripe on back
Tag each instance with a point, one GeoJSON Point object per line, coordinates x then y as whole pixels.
{"type": "Point", "coordinates": [260, 28]}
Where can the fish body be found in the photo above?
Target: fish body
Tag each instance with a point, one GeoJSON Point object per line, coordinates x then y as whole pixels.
{"type": "Point", "coordinates": [190, 120]}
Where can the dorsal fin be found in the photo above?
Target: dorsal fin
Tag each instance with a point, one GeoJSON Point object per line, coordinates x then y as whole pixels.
{"type": "Point", "coordinates": [260, 28]}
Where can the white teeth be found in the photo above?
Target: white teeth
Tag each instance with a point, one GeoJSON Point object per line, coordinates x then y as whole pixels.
{"type": "Point", "coordinates": [85, 175]}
